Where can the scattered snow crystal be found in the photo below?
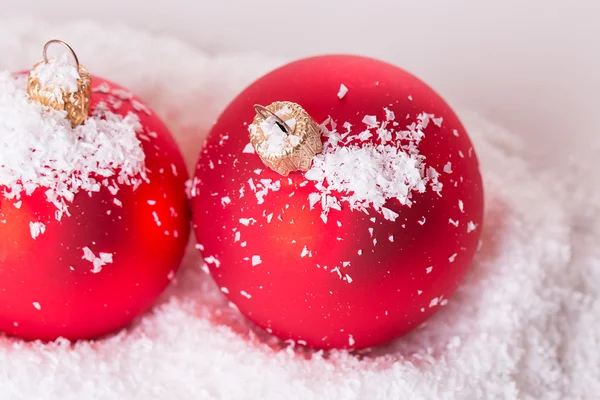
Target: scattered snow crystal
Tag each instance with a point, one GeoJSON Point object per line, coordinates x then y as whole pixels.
{"type": "Point", "coordinates": [342, 92]}
{"type": "Point", "coordinates": [36, 228]}
{"type": "Point", "coordinates": [97, 262]}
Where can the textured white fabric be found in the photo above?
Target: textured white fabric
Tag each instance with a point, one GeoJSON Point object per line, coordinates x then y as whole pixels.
{"type": "Point", "coordinates": [524, 325]}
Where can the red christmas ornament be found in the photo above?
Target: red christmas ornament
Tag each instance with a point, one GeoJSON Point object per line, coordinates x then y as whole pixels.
{"type": "Point", "coordinates": [94, 217]}
{"type": "Point", "coordinates": [368, 243]}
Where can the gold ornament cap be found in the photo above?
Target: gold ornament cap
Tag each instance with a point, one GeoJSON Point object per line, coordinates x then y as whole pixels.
{"type": "Point", "coordinates": [76, 102]}
{"type": "Point", "coordinates": [285, 137]}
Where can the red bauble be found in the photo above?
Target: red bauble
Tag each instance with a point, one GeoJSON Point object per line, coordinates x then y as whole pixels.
{"type": "Point", "coordinates": [51, 286]}
{"type": "Point", "coordinates": [360, 279]}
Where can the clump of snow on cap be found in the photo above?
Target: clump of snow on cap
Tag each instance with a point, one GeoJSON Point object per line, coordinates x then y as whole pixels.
{"type": "Point", "coordinates": [277, 140]}
{"type": "Point", "coordinates": [61, 74]}
{"type": "Point", "coordinates": [40, 149]}
{"type": "Point", "coordinates": [366, 172]}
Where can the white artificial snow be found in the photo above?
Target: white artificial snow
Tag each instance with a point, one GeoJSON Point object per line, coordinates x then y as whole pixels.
{"type": "Point", "coordinates": [523, 325]}
{"type": "Point", "coordinates": [342, 92]}
{"type": "Point", "coordinates": [36, 229]}
{"type": "Point", "coordinates": [370, 174]}
{"type": "Point", "coordinates": [97, 261]}
{"type": "Point", "coordinates": [448, 167]}
{"type": "Point", "coordinates": [212, 260]}
{"type": "Point", "coordinates": [471, 226]}
{"type": "Point", "coordinates": [60, 73]}
{"type": "Point", "coordinates": [276, 139]}
{"type": "Point", "coordinates": [247, 221]}
{"type": "Point", "coordinates": [248, 149]}
{"type": "Point", "coordinates": [304, 252]}
{"type": "Point", "coordinates": [40, 149]}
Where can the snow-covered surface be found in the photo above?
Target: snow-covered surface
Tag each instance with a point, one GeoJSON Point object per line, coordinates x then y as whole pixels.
{"type": "Point", "coordinates": [525, 324]}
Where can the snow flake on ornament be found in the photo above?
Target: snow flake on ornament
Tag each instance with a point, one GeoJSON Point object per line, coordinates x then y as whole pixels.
{"type": "Point", "coordinates": [304, 252]}
{"type": "Point", "coordinates": [247, 221]}
{"type": "Point", "coordinates": [373, 172]}
{"type": "Point", "coordinates": [342, 92]}
{"type": "Point", "coordinates": [249, 149]}
{"type": "Point", "coordinates": [389, 214]}
{"type": "Point", "coordinates": [212, 260]}
{"type": "Point", "coordinates": [471, 226]}
{"type": "Point", "coordinates": [225, 200]}
{"type": "Point", "coordinates": [97, 261]}
{"type": "Point", "coordinates": [448, 167]}
{"type": "Point", "coordinates": [262, 187]}
{"type": "Point", "coordinates": [36, 229]}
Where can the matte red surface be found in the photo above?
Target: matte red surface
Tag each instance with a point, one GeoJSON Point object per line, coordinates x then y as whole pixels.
{"type": "Point", "coordinates": [76, 303]}
{"type": "Point", "coordinates": [291, 296]}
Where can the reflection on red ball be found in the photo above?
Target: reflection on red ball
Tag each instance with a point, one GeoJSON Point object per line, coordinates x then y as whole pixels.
{"type": "Point", "coordinates": [389, 279]}
{"type": "Point", "coordinates": [47, 287]}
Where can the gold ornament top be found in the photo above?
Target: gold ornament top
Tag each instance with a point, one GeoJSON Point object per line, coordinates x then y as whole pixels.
{"type": "Point", "coordinates": [285, 137]}
{"type": "Point", "coordinates": [62, 87]}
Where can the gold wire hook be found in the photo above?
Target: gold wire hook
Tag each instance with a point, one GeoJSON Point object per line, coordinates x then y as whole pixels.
{"type": "Point", "coordinates": [264, 112]}
{"type": "Point", "coordinates": [57, 41]}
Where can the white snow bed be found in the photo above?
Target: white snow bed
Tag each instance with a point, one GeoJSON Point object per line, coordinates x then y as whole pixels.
{"type": "Point", "coordinates": [524, 325]}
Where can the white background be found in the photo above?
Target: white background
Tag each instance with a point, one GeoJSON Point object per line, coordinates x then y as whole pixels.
{"type": "Point", "coordinates": [532, 65]}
